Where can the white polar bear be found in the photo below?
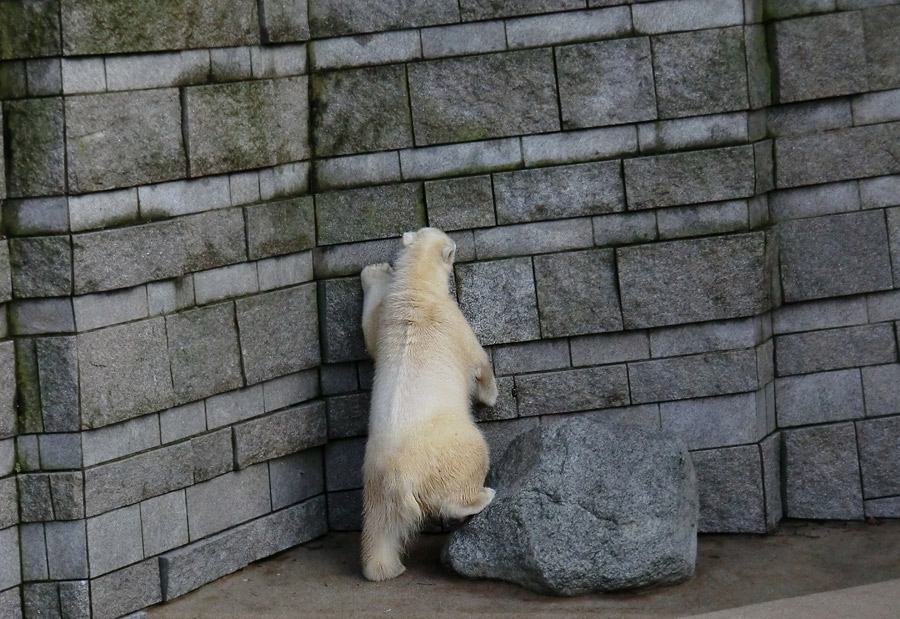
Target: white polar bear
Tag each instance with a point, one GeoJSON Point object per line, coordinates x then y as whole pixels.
{"type": "Point", "coordinates": [424, 455]}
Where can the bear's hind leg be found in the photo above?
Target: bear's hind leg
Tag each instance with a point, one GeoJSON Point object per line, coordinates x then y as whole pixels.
{"type": "Point", "coordinates": [459, 510]}
{"type": "Point", "coordinates": [387, 527]}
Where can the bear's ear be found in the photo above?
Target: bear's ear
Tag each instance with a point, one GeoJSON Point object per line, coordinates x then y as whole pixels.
{"type": "Point", "coordinates": [408, 238]}
{"type": "Point", "coordinates": [448, 253]}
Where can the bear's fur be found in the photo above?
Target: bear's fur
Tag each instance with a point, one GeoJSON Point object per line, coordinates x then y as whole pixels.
{"type": "Point", "coordinates": [424, 455]}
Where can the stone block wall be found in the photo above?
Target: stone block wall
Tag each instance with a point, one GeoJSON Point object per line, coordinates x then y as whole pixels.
{"type": "Point", "coordinates": [683, 214]}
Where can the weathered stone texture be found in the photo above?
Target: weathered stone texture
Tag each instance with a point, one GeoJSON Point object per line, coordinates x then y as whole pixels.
{"type": "Point", "coordinates": [41, 266]}
{"type": "Point", "coordinates": [881, 26]}
{"type": "Point", "coordinates": [460, 203]}
{"type": "Point", "coordinates": [58, 377]}
{"type": "Point", "coordinates": [125, 591]}
{"type": "Point", "coordinates": [485, 9]}
{"type": "Point", "coordinates": [617, 89]}
{"type": "Point", "coordinates": [479, 97]}
{"type": "Point", "coordinates": [879, 457]}
{"type": "Point", "coordinates": [284, 21]}
{"type": "Point", "coordinates": [834, 349]}
{"type": "Point", "coordinates": [690, 178]}
{"type": "Point", "coordinates": [691, 281]}
{"type": "Point", "coordinates": [342, 338]}
{"type": "Point", "coordinates": [164, 523]}
{"type": "Point", "coordinates": [498, 299]}
{"type": "Point", "coordinates": [369, 213]}
{"type": "Point", "coordinates": [124, 372]}
{"type": "Point", "coordinates": [35, 165]}
{"type": "Point", "coordinates": [337, 17]}
{"type": "Point", "coordinates": [280, 227]}
{"type": "Point", "coordinates": [203, 347]}
{"type": "Point", "coordinates": [701, 72]}
{"type": "Point", "coordinates": [280, 434]}
{"type": "Point", "coordinates": [730, 485]}
{"type": "Point", "coordinates": [821, 473]}
{"type": "Point", "coordinates": [709, 422]}
{"type": "Point", "coordinates": [572, 390]}
{"type": "Point", "coordinates": [558, 192]}
{"type": "Point", "coordinates": [123, 139]}
{"type": "Point", "coordinates": [693, 376]}
{"type": "Point", "coordinates": [117, 26]}
{"type": "Point", "coordinates": [879, 386]}
{"type": "Point", "coordinates": [821, 56]}
{"type": "Point", "coordinates": [29, 29]}
{"type": "Point", "coordinates": [834, 256]}
{"type": "Point", "coordinates": [576, 293]}
{"type": "Point", "coordinates": [279, 332]}
{"type": "Point", "coordinates": [296, 477]}
{"type": "Point", "coordinates": [348, 415]}
{"type": "Point", "coordinates": [246, 124]}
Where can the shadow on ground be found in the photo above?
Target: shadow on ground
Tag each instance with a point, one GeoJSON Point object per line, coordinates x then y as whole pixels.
{"type": "Point", "coordinates": [322, 579]}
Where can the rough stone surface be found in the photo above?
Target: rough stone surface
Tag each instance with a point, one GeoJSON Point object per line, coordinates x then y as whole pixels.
{"type": "Point", "coordinates": [690, 281]}
{"type": "Point", "coordinates": [821, 473]}
{"type": "Point", "coordinates": [878, 456]}
{"type": "Point", "coordinates": [41, 266]}
{"type": "Point", "coordinates": [498, 299]}
{"type": "Point", "coordinates": [296, 477]}
{"type": "Point", "coordinates": [246, 125]}
{"type": "Point", "coordinates": [126, 590]}
{"type": "Point", "coordinates": [553, 527]}
{"type": "Point", "coordinates": [881, 39]}
{"type": "Point", "coordinates": [731, 493]}
{"type": "Point", "coordinates": [280, 227]}
{"type": "Point", "coordinates": [29, 29]}
{"type": "Point", "coordinates": [58, 376]}
{"type": "Point", "coordinates": [284, 20]}
{"type": "Point", "coordinates": [690, 178]}
{"type": "Point", "coordinates": [369, 213]}
{"type": "Point", "coordinates": [802, 353]}
{"type": "Point", "coordinates": [123, 139]}
{"type": "Point", "coordinates": [480, 97]}
{"type": "Point", "coordinates": [124, 372]}
{"type": "Point", "coordinates": [533, 238]}
{"type": "Point", "coordinates": [116, 26]}
{"type": "Point", "coordinates": [212, 455]}
{"type": "Point", "coordinates": [576, 293]}
{"type": "Point", "coordinates": [834, 256]}
{"type": "Point", "coordinates": [279, 332]}
{"type": "Point", "coordinates": [35, 165]}
{"type": "Point", "coordinates": [337, 17]}
{"type": "Point", "coordinates": [558, 192]}
{"type": "Point", "coordinates": [820, 397]}
{"type": "Point", "coordinates": [702, 72]}
{"type": "Point", "coordinates": [572, 390]}
{"type": "Point", "coordinates": [280, 434]}
{"type": "Point", "coordinates": [164, 523]}
{"type": "Point", "coordinates": [348, 415]}
{"type": "Point", "coordinates": [342, 338]}
{"type": "Point", "coordinates": [879, 386]}
{"type": "Point", "coordinates": [460, 203]}
{"type": "Point", "coordinates": [617, 89]}
{"type": "Point", "coordinates": [717, 421]}
{"type": "Point", "coordinates": [693, 376]}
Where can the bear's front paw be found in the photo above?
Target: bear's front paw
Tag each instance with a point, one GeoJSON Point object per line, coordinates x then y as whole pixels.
{"type": "Point", "coordinates": [375, 274]}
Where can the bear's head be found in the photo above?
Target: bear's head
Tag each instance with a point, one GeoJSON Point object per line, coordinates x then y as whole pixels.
{"type": "Point", "coordinates": [428, 243]}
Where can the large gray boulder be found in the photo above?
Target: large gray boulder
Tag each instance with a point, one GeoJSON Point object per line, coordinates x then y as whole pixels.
{"type": "Point", "coordinates": [585, 506]}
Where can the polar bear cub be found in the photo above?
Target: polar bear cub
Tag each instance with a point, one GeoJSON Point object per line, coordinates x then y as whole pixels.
{"type": "Point", "coordinates": [424, 454]}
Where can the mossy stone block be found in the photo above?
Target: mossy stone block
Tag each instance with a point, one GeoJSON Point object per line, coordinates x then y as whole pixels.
{"type": "Point", "coordinates": [29, 28]}
{"type": "Point", "coordinates": [285, 21]}
{"type": "Point", "coordinates": [34, 131]}
{"type": "Point", "coordinates": [246, 125]}
{"type": "Point", "coordinates": [280, 227]}
{"type": "Point", "coordinates": [7, 389]}
{"type": "Point", "coordinates": [41, 266]}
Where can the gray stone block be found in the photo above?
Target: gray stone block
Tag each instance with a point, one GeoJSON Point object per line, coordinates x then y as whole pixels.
{"type": "Point", "coordinates": [609, 348]}
{"type": "Point", "coordinates": [357, 170]}
{"type": "Point", "coordinates": [296, 477]}
{"type": "Point", "coordinates": [690, 178]}
{"type": "Point", "coordinates": [348, 415]}
{"type": "Point", "coordinates": [110, 486]}
{"type": "Point", "coordinates": [7, 456]}
{"type": "Point", "coordinates": [676, 15]}
{"type": "Point", "coordinates": [203, 347]}
{"type": "Point", "coordinates": [479, 97]}
{"type": "Point", "coordinates": [578, 146]}
{"type": "Point", "coordinates": [139, 139]}
{"type": "Point", "coordinates": [572, 390]}
{"type": "Point", "coordinates": [818, 398]}
{"type": "Point", "coordinates": [818, 57]}
{"type": "Point", "coordinates": [361, 110]}
{"type": "Point", "coordinates": [74, 599]}
{"type": "Point", "coordinates": [9, 504]}
{"type": "Point", "coordinates": [729, 280]}
{"type": "Point", "coordinates": [227, 500]}
{"type": "Point", "coordinates": [876, 107]}
{"type": "Point", "coordinates": [536, 356]}
{"type": "Point", "coordinates": [182, 421]}
{"type": "Point", "coordinates": [291, 389]}
{"type": "Point", "coordinates": [369, 213]}
{"type": "Point", "coordinates": [534, 238]}
{"type": "Point", "coordinates": [280, 227]}
{"type": "Point", "coordinates": [486, 9]}
{"type": "Point", "coordinates": [34, 140]}
{"type": "Point", "coordinates": [800, 118]}
{"type": "Point", "coordinates": [119, 440]}
{"type": "Point", "coordinates": [284, 271]}
{"type": "Point", "coordinates": [225, 283]}
{"type": "Point", "coordinates": [279, 332]}
{"type": "Point", "coordinates": [716, 421]}
{"type": "Point", "coordinates": [625, 229]}
{"type": "Point", "coordinates": [350, 259]}
{"type": "Point", "coordinates": [646, 415]}
{"type": "Point", "coordinates": [705, 219]}
{"type": "Point", "coordinates": [460, 203]}
{"type": "Point", "coordinates": [280, 434]}
{"type": "Point", "coordinates": [174, 25]}
{"type": "Point", "coordinates": [33, 216]}
{"type": "Point", "coordinates": [569, 27]}
{"type": "Point", "coordinates": [68, 495]}
{"type": "Point", "coordinates": [463, 39]}
{"type": "Point", "coordinates": [823, 314]}
{"type": "Point", "coordinates": [558, 192]}
{"type": "Point", "coordinates": [838, 155]}
{"type": "Point", "coordinates": [821, 473]}
{"type": "Point", "coordinates": [338, 378]}
{"type": "Point", "coordinates": [833, 256]}
{"type": "Point", "coordinates": [10, 574]}
{"type": "Point", "coordinates": [124, 372]}
{"type": "Point", "coordinates": [342, 338]}
{"type": "Point", "coordinates": [127, 590]}
{"type": "Point", "coordinates": [345, 510]}
{"type": "Point", "coordinates": [184, 197]}
{"type": "Point", "coordinates": [499, 301]}
{"type": "Point", "coordinates": [13, 81]}
{"type": "Point", "coordinates": [880, 27]}
{"type": "Point", "coordinates": [370, 49]}
{"type": "Point", "coordinates": [696, 132]}
{"type": "Point", "coordinates": [83, 75]}
{"type": "Point", "coordinates": [5, 281]}
{"type": "Point", "coordinates": [282, 61]}
{"type": "Point", "coordinates": [834, 349]}
{"type": "Point", "coordinates": [246, 124]}
{"type": "Point", "coordinates": [770, 448]}
{"type": "Point", "coordinates": [730, 484]}
{"type": "Point", "coordinates": [618, 89]}
{"type": "Point", "coordinates": [8, 389]}
{"type": "Point", "coordinates": [102, 310]}
{"type": "Point", "coordinates": [60, 451]}
{"type": "Point", "coordinates": [27, 453]}
{"type": "Point", "coordinates": [880, 389]}
{"type": "Point", "coordinates": [695, 376]}
{"type": "Point", "coordinates": [880, 192]}
{"type": "Point", "coordinates": [702, 72]}
{"type": "Point", "coordinates": [244, 187]}
{"type": "Point", "coordinates": [114, 539]}
{"type": "Point", "coordinates": [30, 29]}
{"type": "Point", "coordinates": [577, 293]}
{"type": "Point", "coordinates": [34, 552]}
{"type": "Point", "coordinates": [41, 266]}
{"type": "Point", "coordinates": [41, 316]}
{"type": "Point", "coordinates": [66, 550]}
{"type": "Point", "coordinates": [283, 21]}
{"type": "Point", "coordinates": [187, 568]}
{"type": "Point", "coordinates": [456, 159]}
{"type": "Point", "coordinates": [213, 454]}
{"type": "Point", "coordinates": [705, 337]}
{"type": "Point", "coordinates": [164, 523]}
{"type": "Point", "coordinates": [812, 201]}
{"type": "Point", "coordinates": [343, 464]}
{"type": "Point", "coordinates": [878, 457]}
{"type": "Point", "coordinates": [883, 508]}
{"type": "Point", "coordinates": [170, 296]}
{"type": "Point", "coordinates": [338, 17]}
{"type": "Point", "coordinates": [134, 72]}
{"type": "Point", "coordinates": [284, 181]}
